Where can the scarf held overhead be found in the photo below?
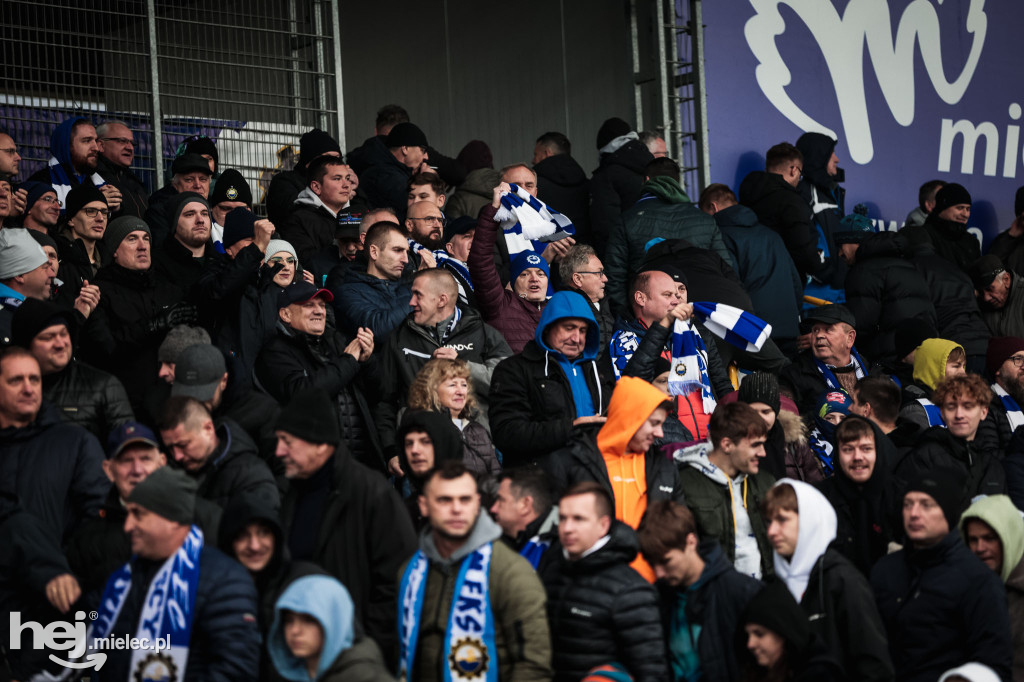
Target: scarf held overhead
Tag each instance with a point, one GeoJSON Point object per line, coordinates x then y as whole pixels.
{"type": "Point", "coordinates": [689, 369]}
{"type": "Point", "coordinates": [733, 325]}
{"type": "Point", "coordinates": [528, 223]}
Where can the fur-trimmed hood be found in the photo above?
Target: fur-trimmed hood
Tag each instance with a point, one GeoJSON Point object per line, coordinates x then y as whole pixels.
{"type": "Point", "coordinates": [793, 427]}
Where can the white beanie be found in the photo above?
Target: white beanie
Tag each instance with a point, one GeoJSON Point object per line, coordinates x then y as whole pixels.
{"type": "Point", "coordinates": [279, 245]}
{"type": "Point", "coordinates": [19, 252]}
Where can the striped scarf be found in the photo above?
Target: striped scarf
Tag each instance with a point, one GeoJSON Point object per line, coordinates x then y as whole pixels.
{"type": "Point", "coordinates": [733, 325]}
{"type": "Point", "coordinates": [528, 223]}
{"type": "Point", "coordinates": [1013, 411]}
{"type": "Point", "coordinates": [62, 183]}
{"type": "Point", "coordinates": [444, 259]}
{"type": "Point", "coordinates": [689, 369]}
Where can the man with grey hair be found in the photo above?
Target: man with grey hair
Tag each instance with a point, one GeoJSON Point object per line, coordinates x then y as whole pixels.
{"type": "Point", "coordinates": [117, 151]}
{"type": "Point", "coordinates": [655, 143]}
{"type": "Point", "coordinates": [582, 271]}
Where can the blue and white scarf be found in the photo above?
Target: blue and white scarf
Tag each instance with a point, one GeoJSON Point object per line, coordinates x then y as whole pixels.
{"type": "Point", "coordinates": [528, 223]}
{"type": "Point", "coordinates": [62, 183]}
{"type": "Point", "coordinates": [444, 259]}
{"type": "Point", "coordinates": [733, 325]}
{"type": "Point", "coordinates": [470, 642]}
{"type": "Point", "coordinates": [689, 370]}
{"type": "Point", "coordinates": [830, 377]}
{"type": "Point", "coordinates": [534, 550]}
{"type": "Point", "coordinates": [167, 612]}
{"type": "Point", "coordinates": [821, 445]}
{"type": "Point", "coordinates": [1013, 411]}
{"type": "Point", "coordinates": [932, 412]}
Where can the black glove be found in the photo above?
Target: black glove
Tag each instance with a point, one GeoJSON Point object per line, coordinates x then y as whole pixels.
{"type": "Point", "coordinates": [172, 316]}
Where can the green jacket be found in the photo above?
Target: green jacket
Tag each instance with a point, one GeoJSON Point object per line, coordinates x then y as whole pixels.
{"type": "Point", "coordinates": [709, 500]}
{"type": "Point", "coordinates": [362, 662]}
{"type": "Point", "coordinates": [663, 211]}
{"type": "Point", "coordinates": [518, 602]}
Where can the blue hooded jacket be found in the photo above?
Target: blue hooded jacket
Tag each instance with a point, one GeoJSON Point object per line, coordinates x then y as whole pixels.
{"type": "Point", "coordinates": [325, 599]}
{"type": "Point", "coordinates": [60, 146]}
{"type": "Point", "coordinates": [560, 306]}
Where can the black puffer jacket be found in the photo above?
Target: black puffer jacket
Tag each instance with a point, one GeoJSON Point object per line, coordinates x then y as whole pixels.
{"type": "Point", "coordinates": [532, 407]}
{"type": "Point", "coordinates": [55, 470]}
{"type": "Point", "coordinates": [615, 186]}
{"type": "Point", "coordinates": [225, 644]}
{"type": "Point", "coordinates": [309, 228]}
{"type": "Point", "coordinates": [838, 605]}
{"type": "Point", "coordinates": [601, 611]}
{"type": "Point", "coordinates": [950, 239]}
{"type": "Point", "coordinates": [223, 283]}
{"type": "Point", "coordinates": [174, 262]}
{"type": "Point", "coordinates": [292, 361]}
{"type": "Point", "coordinates": [780, 206]}
{"type": "Point", "coordinates": [562, 184]}
{"type": "Point", "coordinates": [235, 469]}
{"type": "Point", "coordinates": [952, 293]}
{"type": "Point", "coordinates": [882, 290]}
{"type": "Point", "coordinates": [88, 397]}
{"type": "Point", "coordinates": [713, 610]}
{"type": "Point", "coordinates": [581, 461]}
{"type": "Point", "coordinates": [977, 462]}
{"type": "Point", "coordinates": [942, 608]}
{"type": "Point", "coordinates": [75, 267]}
{"type": "Point", "coordinates": [284, 188]}
{"type": "Point", "coordinates": [256, 413]}
{"type": "Point", "coordinates": [123, 342]}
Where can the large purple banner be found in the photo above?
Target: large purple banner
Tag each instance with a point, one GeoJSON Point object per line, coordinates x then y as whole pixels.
{"type": "Point", "coordinates": [914, 90]}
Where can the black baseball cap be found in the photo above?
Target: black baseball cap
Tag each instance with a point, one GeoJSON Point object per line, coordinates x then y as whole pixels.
{"type": "Point", "coordinates": [460, 225]}
{"type": "Point", "coordinates": [300, 292]}
{"type": "Point", "coordinates": [828, 314]}
{"type": "Point", "coordinates": [984, 270]}
{"type": "Point", "coordinates": [127, 434]}
{"type": "Point", "coordinates": [188, 163]}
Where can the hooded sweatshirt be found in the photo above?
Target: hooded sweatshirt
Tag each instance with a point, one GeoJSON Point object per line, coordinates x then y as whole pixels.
{"type": "Point", "coordinates": [308, 198]}
{"type": "Point", "coordinates": [632, 403]}
{"type": "Point", "coordinates": [930, 361]}
{"type": "Point", "coordinates": [1003, 517]}
{"type": "Point", "coordinates": [566, 304]}
{"type": "Point", "coordinates": [325, 599]}
{"type": "Point", "coordinates": [60, 155]}
{"type": "Point", "coordinates": [667, 189]}
{"type": "Point", "coordinates": [817, 531]}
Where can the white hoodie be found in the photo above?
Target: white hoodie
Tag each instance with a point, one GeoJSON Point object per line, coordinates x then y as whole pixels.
{"type": "Point", "coordinates": [817, 530]}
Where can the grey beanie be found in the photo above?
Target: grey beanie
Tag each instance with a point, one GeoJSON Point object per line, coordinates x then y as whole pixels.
{"type": "Point", "coordinates": [121, 227]}
{"type": "Point", "coordinates": [279, 245]}
{"type": "Point", "coordinates": [19, 252]}
{"type": "Point", "coordinates": [178, 339]}
{"type": "Point", "coordinates": [167, 493]}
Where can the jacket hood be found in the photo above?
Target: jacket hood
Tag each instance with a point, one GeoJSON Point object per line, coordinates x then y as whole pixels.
{"type": "Point", "coordinates": [60, 141]}
{"type": "Point", "coordinates": [817, 529]}
{"type": "Point", "coordinates": [442, 431]}
{"type": "Point", "coordinates": [561, 169]}
{"type": "Point", "coordinates": [569, 304]}
{"type": "Point", "coordinates": [633, 155]}
{"type": "Point", "coordinates": [484, 530]}
{"type": "Point", "coordinates": [736, 215]}
{"type": "Point", "coordinates": [817, 149]}
{"type": "Point", "coordinates": [793, 427]}
{"type": "Point", "coordinates": [759, 185]}
{"type": "Point", "coordinates": [666, 189]}
{"type": "Point", "coordinates": [632, 402]}
{"type": "Point", "coordinates": [325, 599]}
{"type": "Point", "coordinates": [240, 512]}
{"type": "Point", "coordinates": [697, 457]}
{"type": "Point", "coordinates": [481, 182]}
{"type": "Point", "coordinates": [974, 672]}
{"type": "Point", "coordinates": [308, 198]}
{"type": "Point", "coordinates": [930, 361]}
{"type": "Point", "coordinates": [1003, 517]}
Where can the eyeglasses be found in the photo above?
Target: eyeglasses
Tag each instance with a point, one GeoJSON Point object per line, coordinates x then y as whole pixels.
{"type": "Point", "coordinates": [277, 259]}
{"type": "Point", "coordinates": [439, 220]}
{"type": "Point", "coordinates": [799, 169]}
{"type": "Point", "coordinates": [91, 212]}
{"type": "Point", "coordinates": [599, 273]}
{"type": "Point", "coordinates": [50, 200]}
{"type": "Point", "coordinates": [1017, 360]}
{"type": "Point", "coordinates": [10, 150]}
{"type": "Point", "coordinates": [120, 140]}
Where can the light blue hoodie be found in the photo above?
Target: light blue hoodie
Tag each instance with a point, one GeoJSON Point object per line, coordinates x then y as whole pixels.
{"type": "Point", "coordinates": [560, 306]}
{"type": "Point", "coordinates": [325, 599]}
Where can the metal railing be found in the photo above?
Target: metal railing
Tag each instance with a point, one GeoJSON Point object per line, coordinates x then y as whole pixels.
{"type": "Point", "coordinates": [250, 76]}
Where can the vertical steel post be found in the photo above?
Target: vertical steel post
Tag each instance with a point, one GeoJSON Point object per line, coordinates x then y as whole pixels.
{"type": "Point", "coordinates": [321, 67]}
{"type": "Point", "coordinates": [637, 90]}
{"type": "Point", "coordinates": [293, 28]}
{"type": "Point", "coordinates": [673, 138]}
{"type": "Point", "coordinates": [338, 76]}
{"type": "Point", "coordinates": [700, 98]}
{"type": "Point", "coordinates": [154, 94]}
{"type": "Point", "coordinates": [663, 85]}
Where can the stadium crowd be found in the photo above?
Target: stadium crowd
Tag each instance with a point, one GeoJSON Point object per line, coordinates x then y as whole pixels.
{"type": "Point", "coordinates": [433, 420]}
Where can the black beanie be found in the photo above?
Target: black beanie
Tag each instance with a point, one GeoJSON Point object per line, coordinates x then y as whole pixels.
{"type": "Point", "coordinates": [311, 415]}
{"type": "Point", "coordinates": [316, 143]}
{"type": "Point", "coordinates": [231, 186]}
{"type": "Point", "coordinates": [946, 487]}
{"type": "Point", "coordinates": [910, 333]}
{"type": "Point", "coordinates": [951, 195]}
{"type": "Point", "coordinates": [121, 227]}
{"type": "Point", "coordinates": [86, 193]}
{"type": "Point", "coordinates": [44, 239]}
{"type": "Point", "coordinates": [610, 129]}
{"type": "Point", "coordinates": [760, 387]}
{"type": "Point", "coordinates": [178, 202]}
{"type": "Point", "coordinates": [239, 224]}
{"type": "Point", "coordinates": [442, 431]}
{"type": "Point", "coordinates": [33, 316]}
{"type": "Point", "coordinates": [775, 608]}
{"type": "Point", "coordinates": [168, 493]}
{"type": "Point", "coordinates": [406, 135]}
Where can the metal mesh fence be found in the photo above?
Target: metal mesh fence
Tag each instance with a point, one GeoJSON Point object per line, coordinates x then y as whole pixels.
{"type": "Point", "coordinates": [251, 76]}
